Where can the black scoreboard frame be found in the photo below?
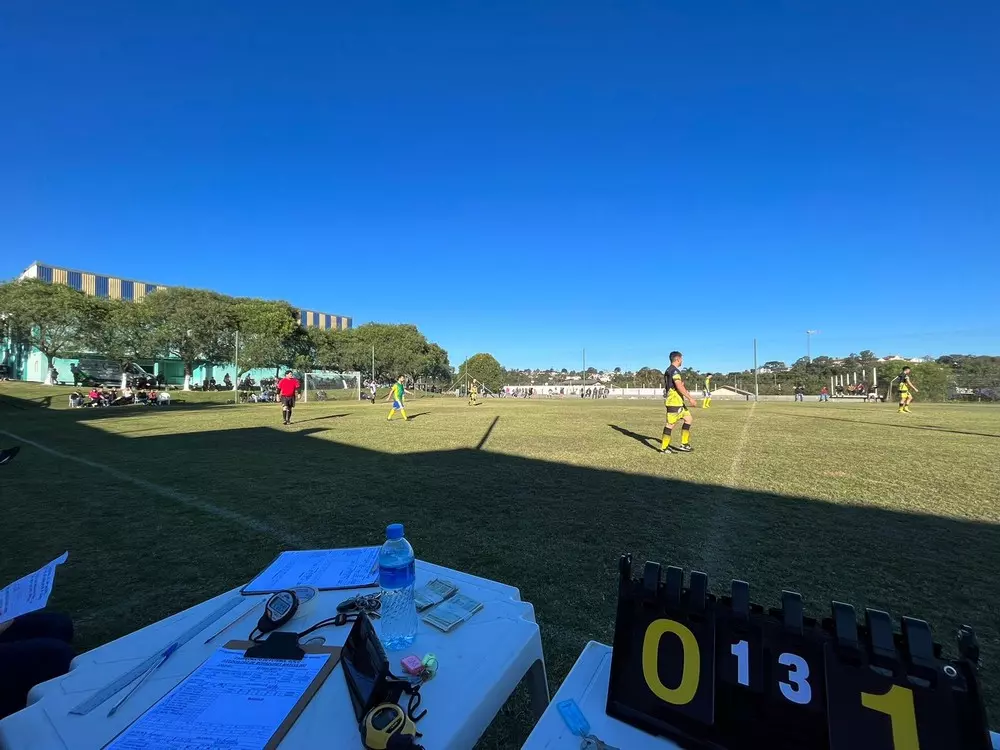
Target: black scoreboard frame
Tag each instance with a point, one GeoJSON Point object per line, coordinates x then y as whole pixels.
{"type": "Point", "coordinates": [721, 673]}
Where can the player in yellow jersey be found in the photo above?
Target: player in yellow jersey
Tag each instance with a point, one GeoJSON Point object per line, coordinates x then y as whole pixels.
{"type": "Point", "coordinates": [706, 402]}
{"type": "Point", "coordinates": [474, 393]}
{"type": "Point", "coordinates": [677, 394]}
{"type": "Point", "coordinates": [397, 393]}
{"type": "Point", "coordinates": [905, 386]}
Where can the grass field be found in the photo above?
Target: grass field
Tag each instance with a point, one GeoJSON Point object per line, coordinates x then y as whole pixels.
{"type": "Point", "coordinates": [163, 508]}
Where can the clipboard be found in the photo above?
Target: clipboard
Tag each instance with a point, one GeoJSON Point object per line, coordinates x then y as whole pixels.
{"type": "Point", "coordinates": [314, 686]}
{"type": "Point", "coordinates": [250, 590]}
{"type": "Point", "coordinates": [290, 718]}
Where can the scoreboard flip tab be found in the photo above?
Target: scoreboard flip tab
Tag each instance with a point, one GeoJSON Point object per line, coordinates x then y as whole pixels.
{"type": "Point", "coordinates": [724, 673]}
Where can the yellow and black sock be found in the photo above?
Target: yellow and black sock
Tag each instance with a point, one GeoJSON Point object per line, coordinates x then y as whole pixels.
{"type": "Point", "coordinates": [666, 437]}
{"type": "Point", "coordinates": [685, 433]}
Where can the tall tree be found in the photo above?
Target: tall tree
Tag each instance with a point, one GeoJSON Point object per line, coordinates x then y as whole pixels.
{"type": "Point", "coordinates": [484, 368]}
{"type": "Point", "coordinates": [193, 325]}
{"type": "Point", "coordinates": [50, 317]}
{"type": "Point", "coordinates": [264, 329]}
{"type": "Point", "coordinates": [123, 332]}
{"type": "Point", "coordinates": [867, 357]}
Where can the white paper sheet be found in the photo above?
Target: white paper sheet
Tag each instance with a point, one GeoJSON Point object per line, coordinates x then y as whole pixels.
{"type": "Point", "coordinates": [229, 701]}
{"type": "Point", "coordinates": [29, 593]}
{"type": "Point", "coordinates": [323, 568]}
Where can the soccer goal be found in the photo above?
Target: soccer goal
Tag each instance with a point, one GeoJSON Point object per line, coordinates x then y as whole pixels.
{"type": "Point", "coordinates": [331, 386]}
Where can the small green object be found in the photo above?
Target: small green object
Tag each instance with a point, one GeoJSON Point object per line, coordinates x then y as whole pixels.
{"type": "Point", "coordinates": [430, 663]}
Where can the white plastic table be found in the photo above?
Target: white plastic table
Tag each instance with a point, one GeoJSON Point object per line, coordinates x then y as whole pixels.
{"type": "Point", "coordinates": [481, 662]}
{"type": "Point", "coordinates": [587, 684]}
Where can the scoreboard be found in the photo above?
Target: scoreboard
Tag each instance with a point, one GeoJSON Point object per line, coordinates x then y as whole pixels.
{"type": "Point", "coordinates": [724, 673]}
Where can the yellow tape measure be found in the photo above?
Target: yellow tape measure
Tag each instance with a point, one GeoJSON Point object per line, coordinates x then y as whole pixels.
{"type": "Point", "coordinates": [387, 727]}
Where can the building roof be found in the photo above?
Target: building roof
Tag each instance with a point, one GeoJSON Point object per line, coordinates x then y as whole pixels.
{"type": "Point", "coordinates": [115, 287]}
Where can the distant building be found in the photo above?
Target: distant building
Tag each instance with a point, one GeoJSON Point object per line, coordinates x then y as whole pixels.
{"type": "Point", "coordinates": [31, 365]}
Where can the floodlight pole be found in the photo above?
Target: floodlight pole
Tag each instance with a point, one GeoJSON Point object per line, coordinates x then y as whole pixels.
{"type": "Point", "coordinates": [809, 335]}
{"type": "Point", "coordinates": [584, 370]}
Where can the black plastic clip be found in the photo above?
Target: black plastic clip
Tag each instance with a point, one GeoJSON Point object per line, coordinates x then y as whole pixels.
{"type": "Point", "coordinates": [675, 582]}
{"type": "Point", "coordinates": [278, 645]}
{"type": "Point", "coordinates": [880, 632]}
{"type": "Point", "coordinates": [919, 642]}
{"type": "Point", "coordinates": [792, 612]}
{"type": "Point", "coordinates": [845, 624]}
{"type": "Point", "coordinates": [650, 579]}
{"type": "Point", "coordinates": [625, 568]}
{"type": "Point", "coordinates": [698, 591]}
{"type": "Point", "coordinates": [741, 600]}
{"type": "Point", "coordinates": [968, 644]}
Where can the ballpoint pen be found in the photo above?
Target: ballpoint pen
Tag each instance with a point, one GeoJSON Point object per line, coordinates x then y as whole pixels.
{"type": "Point", "coordinates": [160, 663]}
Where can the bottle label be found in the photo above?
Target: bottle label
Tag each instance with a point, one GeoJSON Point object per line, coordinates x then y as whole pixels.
{"type": "Point", "coordinates": [397, 577]}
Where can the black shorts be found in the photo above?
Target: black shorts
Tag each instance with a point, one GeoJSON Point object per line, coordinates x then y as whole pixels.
{"type": "Point", "coordinates": [288, 401]}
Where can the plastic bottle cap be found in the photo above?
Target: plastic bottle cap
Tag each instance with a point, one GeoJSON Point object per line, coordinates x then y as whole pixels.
{"type": "Point", "coordinates": [394, 531]}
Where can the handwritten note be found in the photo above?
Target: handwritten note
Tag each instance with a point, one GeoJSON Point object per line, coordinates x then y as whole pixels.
{"type": "Point", "coordinates": [29, 593]}
{"type": "Point", "coordinates": [323, 568]}
{"type": "Point", "coordinates": [229, 701]}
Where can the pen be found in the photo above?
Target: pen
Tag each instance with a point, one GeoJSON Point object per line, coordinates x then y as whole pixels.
{"type": "Point", "coordinates": [160, 663]}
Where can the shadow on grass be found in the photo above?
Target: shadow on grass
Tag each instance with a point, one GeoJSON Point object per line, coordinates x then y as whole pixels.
{"type": "Point", "coordinates": [933, 428]}
{"type": "Point", "coordinates": [554, 530]}
{"type": "Point", "coordinates": [644, 439]}
{"type": "Point", "coordinates": [316, 419]}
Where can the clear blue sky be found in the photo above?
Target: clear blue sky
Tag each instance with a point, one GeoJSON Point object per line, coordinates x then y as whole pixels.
{"type": "Point", "coordinates": [526, 178]}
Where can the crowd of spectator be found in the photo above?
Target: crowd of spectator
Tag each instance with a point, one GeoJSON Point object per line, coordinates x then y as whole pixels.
{"type": "Point", "coordinates": [104, 397]}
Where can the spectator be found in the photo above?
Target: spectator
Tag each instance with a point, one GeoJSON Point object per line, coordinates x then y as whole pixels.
{"type": "Point", "coordinates": [160, 380]}
{"type": "Point", "coordinates": [824, 394]}
{"type": "Point", "coordinates": [54, 375]}
{"type": "Point", "coordinates": [800, 392]}
{"type": "Point", "coordinates": [75, 399]}
{"type": "Point", "coordinates": [95, 396]}
{"type": "Point", "coordinates": [228, 382]}
{"type": "Point", "coordinates": [33, 648]}
{"type": "Point", "coordinates": [77, 375]}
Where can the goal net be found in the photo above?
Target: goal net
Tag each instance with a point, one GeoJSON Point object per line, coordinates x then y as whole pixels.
{"type": "Point", "coordinates": [332, 386]}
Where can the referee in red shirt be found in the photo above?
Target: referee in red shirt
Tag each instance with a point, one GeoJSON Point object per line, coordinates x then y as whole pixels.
{"type": "Point", "coordinates": [288, 386]}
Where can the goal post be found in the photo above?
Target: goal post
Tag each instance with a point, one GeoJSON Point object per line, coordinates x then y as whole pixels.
{"type": "Point", "coordinates": [325, 385]}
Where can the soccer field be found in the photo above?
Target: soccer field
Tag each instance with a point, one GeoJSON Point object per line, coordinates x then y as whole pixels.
{"type": "Point", "coordinates": [162, 508]}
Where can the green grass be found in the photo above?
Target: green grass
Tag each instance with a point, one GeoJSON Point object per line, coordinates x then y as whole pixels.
{"type": "Point", "coordinates": [848, 501]}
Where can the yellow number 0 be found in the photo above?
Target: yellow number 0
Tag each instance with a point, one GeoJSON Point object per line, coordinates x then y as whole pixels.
{"type": "Point", "coordinates": [690, 669]}
{"type": "Point", "coordinates": [898, 704]}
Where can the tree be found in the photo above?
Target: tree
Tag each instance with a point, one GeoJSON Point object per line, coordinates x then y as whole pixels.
{"type": "Point", "coordinates": [399, 350]}
{"type": "Point", "coordinates": [617, 370]}
{"type": "Point", "coordinates": [564, 371]}
{"type": "Point", "coordinates": [648, 377]}
{"type": "Point", "coordinates": [264, 329]}
{"type": "Point", "coordinates": [801, 362]}
{"type": "Point", "coordinates": [122, 331]}
{"type": "Point", "coordinates": [775, 366]}
{"type": "Point", "coordinates": [50, 317]}
{"type": "Point", "coordinates": [484, 368]}
{"type": "Point", "coordinates": [867, 357]}
{"type": "Point", "coordinates": [193, 325]}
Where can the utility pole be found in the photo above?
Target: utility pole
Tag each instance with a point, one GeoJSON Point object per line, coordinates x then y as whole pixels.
{"type": "Point", "coordinates": [756, 385]}
{"type": "Point", "coordinates": [373, 362]}
{"type": "Point", "coordinates": [236, 396]}
{"type": "Point", "coordinates": [584, 368]}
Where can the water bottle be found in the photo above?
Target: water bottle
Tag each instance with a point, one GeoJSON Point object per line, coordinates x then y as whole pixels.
{"type": "Point", "coordinates": [396, 576]}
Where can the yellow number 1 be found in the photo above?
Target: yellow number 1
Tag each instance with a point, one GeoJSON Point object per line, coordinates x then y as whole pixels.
{"type": "Point", "coordinates": [898, 705]}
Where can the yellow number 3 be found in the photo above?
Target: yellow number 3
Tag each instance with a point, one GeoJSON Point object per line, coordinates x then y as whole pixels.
{"type": "Point", "coordinates": [690, 669]}
{"type": "Point", "coordinates": [898, 705]}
